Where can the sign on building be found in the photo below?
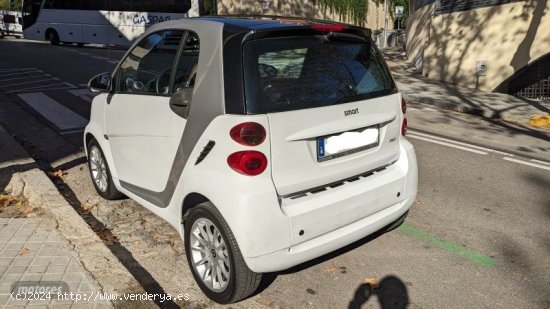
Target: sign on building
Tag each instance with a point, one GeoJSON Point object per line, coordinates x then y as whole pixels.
{"type": "Point", "coordinates": [399, 11]}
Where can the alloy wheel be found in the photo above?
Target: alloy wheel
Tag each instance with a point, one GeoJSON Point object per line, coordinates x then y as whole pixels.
{"type": "Point", "coordinates": [98, 169]}
{"type": "Point", "coordinates": [210, 255]}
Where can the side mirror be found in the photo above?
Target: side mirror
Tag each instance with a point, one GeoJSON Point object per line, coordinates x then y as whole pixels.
{"type": "Point", "coordinates": [180, 101]}
{"type": "Point", "coordinates": [100, 83]}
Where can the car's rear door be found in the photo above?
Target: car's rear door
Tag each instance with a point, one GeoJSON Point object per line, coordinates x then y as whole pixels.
{"type": "Point", "coordinates": [332, 106]}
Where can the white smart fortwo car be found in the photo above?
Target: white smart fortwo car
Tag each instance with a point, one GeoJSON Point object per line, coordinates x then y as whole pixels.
{"type": "Point", "coordinates": [266, 142]}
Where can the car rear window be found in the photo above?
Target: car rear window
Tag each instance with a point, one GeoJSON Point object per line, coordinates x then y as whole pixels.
{"type": "Point", "coordinates": [291, 73]}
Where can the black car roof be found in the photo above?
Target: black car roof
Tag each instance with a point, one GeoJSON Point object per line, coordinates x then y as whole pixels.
{"type": "Point", "coordinates": [238, 24]}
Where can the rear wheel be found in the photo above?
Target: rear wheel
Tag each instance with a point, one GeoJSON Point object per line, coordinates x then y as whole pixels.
{"type": "Point", "coordinates": [100, 173]}
{"type": "Point", "coordinates": [53, 37]}
{"type": "Point", "coordinates": [214, 257]}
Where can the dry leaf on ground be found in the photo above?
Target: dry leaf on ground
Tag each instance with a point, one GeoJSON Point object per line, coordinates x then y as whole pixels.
{"type": "Point", "coordinates": [5, 200]}
{"type": "Point", "coordinates": [24, 251]}
{"type": "Point", "coordinates": [330, 268]}
{"type": "Point", "coordinates": [85, 208]}
{"type": "Point", "coordinates": [373, 282]}
{"type": "Point", "coordinates": [59, 174]}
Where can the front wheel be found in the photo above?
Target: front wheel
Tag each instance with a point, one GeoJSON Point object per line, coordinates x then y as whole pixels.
{"type": "Point", "coordinates": [53, 37]}
{"type": "Point", "coordinates": [100, 173]}
{"type": "Point", "coordinates": [214, 257]}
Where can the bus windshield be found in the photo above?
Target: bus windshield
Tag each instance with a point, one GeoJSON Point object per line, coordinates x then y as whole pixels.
{"type": "Point", "coordinates": [31, 8]}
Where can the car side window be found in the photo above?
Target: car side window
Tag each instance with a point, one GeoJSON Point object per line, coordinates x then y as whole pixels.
{"type": "Point", "coordinates": [148, 67]}
{"type": "Point", "coordinates": [186, 69]}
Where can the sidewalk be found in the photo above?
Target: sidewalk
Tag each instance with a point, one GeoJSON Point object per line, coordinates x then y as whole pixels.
{"type": "Point", "coordinates": [45, 243]}
{"type": "Point", "coordinates": [34, 253]}
{"type": "Point", "coordinates": [419, 90]}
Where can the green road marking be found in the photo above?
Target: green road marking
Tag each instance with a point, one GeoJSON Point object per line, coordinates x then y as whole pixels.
{"type": "Point", "coordinates": [447, 246]}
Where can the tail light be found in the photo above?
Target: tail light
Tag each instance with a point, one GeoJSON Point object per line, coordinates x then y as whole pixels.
{"type": "Point", "coordinates": [403, 106]}
{"type": "Point", "coordinates": [248, 134]}
{"type": "Point", "coordinates": [328, 27]}
{"type": "Point", "coordinates": [250, 163]}
{"type": "Point", "coordinates": [404, 127]}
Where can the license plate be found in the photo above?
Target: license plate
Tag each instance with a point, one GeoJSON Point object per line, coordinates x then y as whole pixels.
{"type": "Point", "coordinates": [343, 144]}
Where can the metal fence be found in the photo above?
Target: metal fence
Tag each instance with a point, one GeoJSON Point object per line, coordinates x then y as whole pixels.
{"type": "Point", "coordinates": [395, 38]}
{"type": "Point", "coordinates": [537, 91]}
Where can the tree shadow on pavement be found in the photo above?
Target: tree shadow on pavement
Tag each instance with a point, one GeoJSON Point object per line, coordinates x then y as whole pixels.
{"type": "Point", "coordinates": [391, 293]}
{"type": "Point", "coordinates": [508, 112]}
{"type": "Point", "coordinates": [7, 172]}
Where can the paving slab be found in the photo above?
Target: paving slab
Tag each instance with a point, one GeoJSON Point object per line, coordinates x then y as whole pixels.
{"type": "Point", "coordinates": [40, 258]}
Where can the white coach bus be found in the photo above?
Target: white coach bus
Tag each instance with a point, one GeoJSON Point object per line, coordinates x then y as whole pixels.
{"type": "Point", "coordinates": [108, 22]}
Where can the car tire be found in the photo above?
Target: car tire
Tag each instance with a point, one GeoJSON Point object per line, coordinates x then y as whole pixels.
{"type": "Point", "coordinates": [100, 172]}
{"type": "Point", "coordinates": [219, 249]}
{"type": "Point", "coordinates": [53, 37]}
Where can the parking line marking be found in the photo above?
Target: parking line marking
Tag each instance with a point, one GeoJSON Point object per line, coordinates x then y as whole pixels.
{"type": "Point", "coordinates": [42, 87]}
{"type": "Point", "coordinates": [30, 82]}
{"type": "Point", "coordinates": [23, 77]}
{"type": "Point", "coordinates": [83, 94]}
{"type": "Point", "coordinates": [446, 144]}
{"type": "Point", "coordinates": [448, 246]}
{"type": "Point", "coordinates": [541, 162]}
{"type": "Point", "coordinates": [528, 163]}
{"type": "Point", "coordinates": [460, 143]}
{"type": "Point", "coordinates": [71, 132]}
{"type": "Point", "coordinates": [62, 117]}
{"type": "Point", "coordinates": [19, 73]}
{"type": "Point", "coordinates": [45, 88]}
{"type": "Point", "coordinates": [16, 70]}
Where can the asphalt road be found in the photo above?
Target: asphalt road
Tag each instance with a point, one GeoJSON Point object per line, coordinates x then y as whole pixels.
{"type": "Point", "coordinates": [478, 235]}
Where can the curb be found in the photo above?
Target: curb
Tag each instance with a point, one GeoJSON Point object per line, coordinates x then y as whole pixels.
{"type": "Point", "coordinates": [542, 121]}
{"type": "Point", "coordinates": [539, 123]}
{"type": "Point", "coordinates": [462, 108]}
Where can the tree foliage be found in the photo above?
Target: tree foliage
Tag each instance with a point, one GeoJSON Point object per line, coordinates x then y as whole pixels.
{"type": "Point", "coordinates": [356, 10]}
{"type": "Point", "coordinates": [15, 6]}
{"type": "Point", "coordinates": [353, 10]}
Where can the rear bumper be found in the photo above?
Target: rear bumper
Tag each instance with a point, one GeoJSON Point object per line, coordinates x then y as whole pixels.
{"type": "Point", "coordinates": [343, 215]}
{"type": "Point", "coordinates": [284, 259]}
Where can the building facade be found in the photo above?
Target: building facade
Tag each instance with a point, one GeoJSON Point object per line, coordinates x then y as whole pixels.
{"type": "Point", "coordinates": [492, 45]}
{"type": "Point", "coordinates": [298, 8]}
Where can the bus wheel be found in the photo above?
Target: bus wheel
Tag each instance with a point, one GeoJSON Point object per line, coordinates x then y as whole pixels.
{"type": "Point", "coordinates": [79, 44]}
{"type": "Point", "coordinates": [53, 37]}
